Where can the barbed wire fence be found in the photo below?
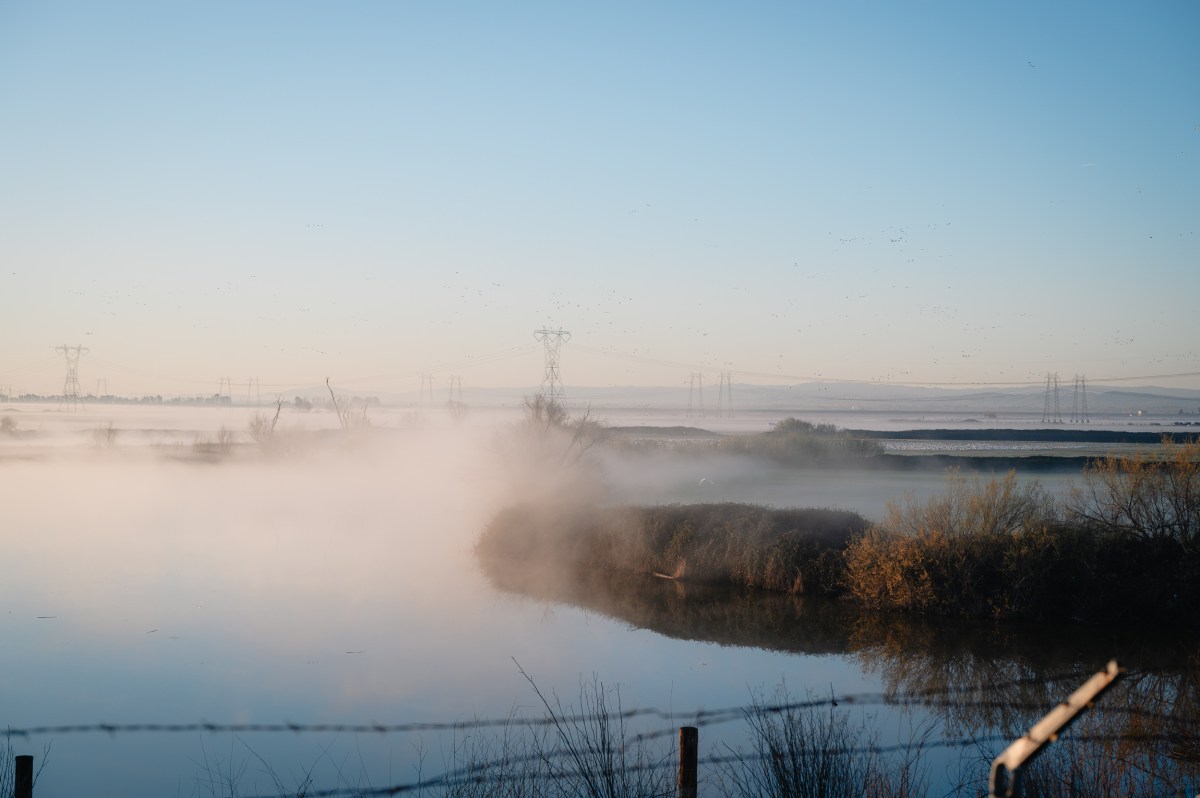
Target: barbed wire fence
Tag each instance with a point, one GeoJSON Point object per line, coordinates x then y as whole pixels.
{"type": "Point", "coordinates": [564, 763]}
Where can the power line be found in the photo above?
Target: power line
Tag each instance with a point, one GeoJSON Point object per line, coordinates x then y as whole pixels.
{"type": "Point", "coordinates": [854, 381]}
{"type": "Point", "coordinates": [525, 349]}
{"type": "Point", "coordinates": [452, 365]}
{"type": "Point", "coordinates": [700, 717]}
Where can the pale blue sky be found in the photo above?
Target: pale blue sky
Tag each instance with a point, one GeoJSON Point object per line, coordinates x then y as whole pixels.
{"type": "Point", "coordinates": [921, 192]}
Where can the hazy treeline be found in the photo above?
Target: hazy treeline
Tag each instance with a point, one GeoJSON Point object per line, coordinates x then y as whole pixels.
{"type": "Point", "coordinates": [788, 442]}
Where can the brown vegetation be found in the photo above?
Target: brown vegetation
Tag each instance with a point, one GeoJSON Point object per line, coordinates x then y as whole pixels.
{"type": "Point", "coordinates": [1123, 547]}
{"type": "Point", "coordinates": [796, 551]}
{"type": "Point", "coordinates": [809, 749]}
{"type": "Point", "coordinates": [1144, 498]}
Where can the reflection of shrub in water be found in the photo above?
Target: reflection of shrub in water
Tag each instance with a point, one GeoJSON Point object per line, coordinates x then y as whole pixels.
{"type": "Point", "coordinates": [811, 750]}
{"type": "Point", "coordinates": [571, 751]}
{"type": "Point", "coordinates": [686, 610]}
{"type": "Point", "coordinates": [974, 677]}
{"type": "Point", "coordinates": [1139, 742]}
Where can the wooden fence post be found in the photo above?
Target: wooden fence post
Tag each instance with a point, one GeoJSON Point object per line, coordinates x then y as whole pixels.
{"type": "Point", "coordinates": [689, 750]}
{"type": "Point", "coordinates": [23, 781]}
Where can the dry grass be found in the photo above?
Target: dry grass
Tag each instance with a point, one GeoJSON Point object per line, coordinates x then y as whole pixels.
{"type": "Point", "coordinates": [1123, 548]}
{"type": "Point", "coordinates": [801, 750]}
{"type": "Point", "coordinates": [796, 551]}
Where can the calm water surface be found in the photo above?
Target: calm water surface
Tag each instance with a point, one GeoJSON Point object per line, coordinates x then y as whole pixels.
{"type": "Point", "coordinates": [141, 583]}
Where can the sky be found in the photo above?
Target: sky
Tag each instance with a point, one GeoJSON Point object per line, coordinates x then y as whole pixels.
{"type": "Point", "coordinates": [917, 192]}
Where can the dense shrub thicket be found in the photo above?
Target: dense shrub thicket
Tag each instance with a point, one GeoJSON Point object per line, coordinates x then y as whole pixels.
{"type": "Point", "coordinates": [798, 551]}
{"type": "Point", "coordinates": [1144, 498]}
{"type": "Point", "coordinates": [1123, 546]}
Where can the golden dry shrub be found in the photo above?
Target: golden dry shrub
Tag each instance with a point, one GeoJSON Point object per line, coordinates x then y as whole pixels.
{"type": "Point", "coordinates": [886, 570]}
{"type": "Point", "coordinates": [1143, 496]}
{"type": "Point", "coordinates": [950, 553]}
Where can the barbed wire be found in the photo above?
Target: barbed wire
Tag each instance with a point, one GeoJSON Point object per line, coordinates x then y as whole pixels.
{"type": "Point", "coordinates": [482, 773]}
{"type": "Point", "coordinates": [527, 764]}
{"type": "Point", "coordinates": [699, 718]}
{"type": "Point", "coordinates": [501, 768]}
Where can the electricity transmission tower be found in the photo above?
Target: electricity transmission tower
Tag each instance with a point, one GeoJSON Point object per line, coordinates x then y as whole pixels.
{"type": "Point", "coordinates": [696, 395]}
{"type": "Point", "coordinates": [725, 395]}
{"type": "Point", "coordinates": [71, 354]}
{"type": "Point", "coordinates": [552, 387]}
{"type": "Point", "coordinates": [454, 404]}
{"type": "Point", "coordinates": [425, 397]}
{"type": "Point", "coordinates": [1054, 417]}
{"type": "Point", "coordinates": [225, 390]}
{"type": "Point", "coordinates": [253, 389]}
{"type": "Point", "coordinates": [1079, 411]}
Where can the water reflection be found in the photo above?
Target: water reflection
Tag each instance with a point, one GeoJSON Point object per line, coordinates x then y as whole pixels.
{"type": "Point", "coordinates": [976, 678]}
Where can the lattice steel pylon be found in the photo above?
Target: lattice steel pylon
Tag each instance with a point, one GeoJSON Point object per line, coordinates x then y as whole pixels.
{"type": "Point", "coordinates": [1048, 416]}
{"type": "Point", "coordinates": [425, 397]}
{"type": "Point", "coordinates": [71, 354]}
{"type": "Point", "coordinates": [552, 387]}
{"type": "Point", "coordinates": [696, 395]}
{"type": "Point", "coordinates": [1079, 410]}
{"type": "Point", "coordinates": [725, 395]}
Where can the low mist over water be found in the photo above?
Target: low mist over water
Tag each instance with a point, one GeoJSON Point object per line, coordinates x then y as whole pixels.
{"type": "Point", "coordinates": [157, 570]}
